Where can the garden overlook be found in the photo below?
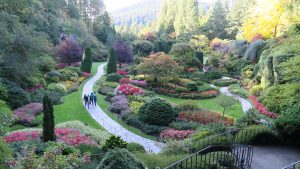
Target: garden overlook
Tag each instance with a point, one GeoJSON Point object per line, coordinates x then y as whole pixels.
{"type": "Point", "coordinates": [150, 84]}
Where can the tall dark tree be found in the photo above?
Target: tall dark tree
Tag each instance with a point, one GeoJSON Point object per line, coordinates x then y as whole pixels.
{"type": "Point", "coordinates": [69, 51]}
{"type": "Point", "coordinates": [217, 22]}
{"type": "Point", "coordinates": [102, 27]}
{"type": "Point", "coordinates": [48, 120]}
{"type": "Point", "coordinates": [87, 61]}
{"type": "Point", "coordinates": [73, 10]}
{"type": "Point", "coordinates": [124, 53]}
{"type": "Point", "coordinates": [112, 62]}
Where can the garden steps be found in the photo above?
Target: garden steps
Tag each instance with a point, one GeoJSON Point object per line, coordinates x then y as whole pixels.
{"type": "Point", "coordinates": [112, 126]}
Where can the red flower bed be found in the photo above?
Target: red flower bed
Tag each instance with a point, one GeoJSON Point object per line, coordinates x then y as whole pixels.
{"type": "Point", "coordinates": [122, 72]}
{"type": "Point", "coordinates": [86, 74]}
{"type": "Point", "coordinates": [129, 90]}
{"type": "Point", "coordinates": [22, 136]}
{"type": "Point", "coordinates": [262, 109]}
{"type": "Point", "coordinates": [69, 136]}
{"type": "Point", "coordinates": [124, 81]}
{"type": "Point", "coordinates": [175, 134]}
{"type": "Point", "coordinates": [206, 118]}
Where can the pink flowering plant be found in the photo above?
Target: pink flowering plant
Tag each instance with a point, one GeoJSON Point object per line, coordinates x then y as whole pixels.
{"type": "Point", "coordinates": [129, 90]}
{"type": "Point", "coordinates": [175, 134]}
{"type": "Point", "coordinates": [26, 114]}
{"type": "Point", "coordinates": [22, 136]}
{"type": "Point", "coordinates": [262, 109]}
{"type": "Point", "coordinates": [122, 72]}
{"type": "Point", "coordinates": [86, 74]}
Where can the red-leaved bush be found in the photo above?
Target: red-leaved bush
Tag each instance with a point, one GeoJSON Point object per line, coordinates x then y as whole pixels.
{"type": "Point", "coordinates": [122, 72]}
{"type": "Point", "coordinates": [175, 134]}
{"type": "Point", "coordinates": [61, 65]}
{"type": "Point", "coordinates": [124, 81]}
{"type": "Point", "coordinates": [262, 109]}
{"type": "Point", "coordinates": [206, 117]}
{"type": "Point", "coordinates": [129, 90]}
{"type": "Point", "coordinates": [86, 74]}
{"type": "Point", "coordinates": [141, 83]}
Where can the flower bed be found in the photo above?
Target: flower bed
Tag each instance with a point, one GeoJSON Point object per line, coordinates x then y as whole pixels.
{"type": "Point", "coordinates": [25, 115]}
{"type": "Point", "coordinates": [122, 72]}
{"type": "Point", "coordinates": [206, 117]}
{"type": "Point", "coordinates": [124, 81]}
{"type": "Point", "coordinates": [69, 136]}
{"type": "Point", "coordinates": [176, 134]}
{"type": "Point", "coordinates": [262, 109]}
{"type": "Point", "coordinates": [188, 95]}
{"type": "Point", "coordinates": [141, 83]}
{"type": "Point", "coordinates": [129, 90]}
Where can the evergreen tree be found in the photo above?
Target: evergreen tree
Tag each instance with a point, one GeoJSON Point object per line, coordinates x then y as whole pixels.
{"type": "Point", "coordinates": [73, 11]}
{"type": "Point", "coordinates": [217, 22]}
{"type": "Point", "coordinates": [112, 62]}
{"type": "Point", "coordinates": [87, 61]}
{"type": "Point", "coordinates": [48, 120]}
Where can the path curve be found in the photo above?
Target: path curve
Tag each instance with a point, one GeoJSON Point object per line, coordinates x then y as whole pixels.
{"type": "Point", "coordinates": [112, 126]}
{"type": "Point", "coordinates": [246, 105]}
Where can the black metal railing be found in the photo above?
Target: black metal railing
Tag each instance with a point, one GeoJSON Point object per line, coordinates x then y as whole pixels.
{"type": "Point", "coordinates": [217, 157]}
{"type": "Point", "coordinates": [295, 165]}
{"type": "Point", "coordinates": [236, 136]}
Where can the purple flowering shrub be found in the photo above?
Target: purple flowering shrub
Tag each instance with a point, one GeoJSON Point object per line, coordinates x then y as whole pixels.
{"type": "Point", "coordinates": [26, 114]}
{"type": "Point", "coordinates": [119, 105]}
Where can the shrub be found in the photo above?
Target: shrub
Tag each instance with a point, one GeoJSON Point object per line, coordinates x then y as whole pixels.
{"type": "Point", "coordinates": [113, 77]}
{"type": "Point", "coordinates": [256, 90]}
{"type": "Point", "coordinates": [184, 125]}
{"type": "Point", "coordinates": [104, 90]}
{"type": "Point", "coordinates": [124, 81]}
{"type": "Point", "coordinates": [112, 62]}
{"type": "Point", "coordinates": [46, 63]}
{"type": "Point", "coordinates": [141, 83]}
{"type": "Point", "coordinates": [224, 82]}
{"type": "Point", "coordinates": [181, 89]}
{"type": "Point", "coordinates": [157, 112]}
{"type": "Point", "coordinates": [119, 105]}
{"type": "Point", "coordinates": [114, 142]}
{"type": "Point", "coordinates": [129, 90]}
{"type": "Point", "coordinates": [192, 86]}
{"type": "Point", "coordinates": [17, 97]}
{"type": "Point", "coordinates": [6, 117]}
{"type": "Point", "coordinates": [176, 134]}
{"type": "Point", "coordinates": [18, 136]}
{"type": "Point", "coordinates": [262, 109]}
{"type": "Point", "coordinates": [69, 73]}
{"type": "Point", "coordinates": [3, 92]}
{"type": "Point", "coordinates": [5, 153]}
{"type": "Point", "coordinates": [206, 117]}
{"type": "Point", "coordinates": [25, 115]}
{"type": "Point", "coordinates": [135, 106]}
{"type": "Point", "coordinates": [48, 120]}
{"type": "Point", "coordinates": [119, 159]}
{"type": "Point", "coordinates": [156, 161]}
{"type": "Point", "coordinates": [279, 97]}
{"type": "Point", "coordinates": [211, 75]}
{"type": "Point", "coordinates": [122, 72]}
{"type": "Point", "coordinates": [288, 123]}
{"type": "Point", "coordinates": [55, 97]}
{"type": "Point", "coordinates": [135, 148]}
{"type": "Point", "coordinates": [72, 137]}
{"type": "Point", "coordinates": [58, 87]}
{"type": "Point", "coordinates": [201, 135]}
{"type": "Point", "coordinates": [98, 135]}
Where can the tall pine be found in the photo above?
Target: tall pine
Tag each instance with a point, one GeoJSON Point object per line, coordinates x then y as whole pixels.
{"type": "Point", "coordinates": [87, 61]}
{"type": "Point", "coordinates": [48, 120]}
{"type": "Point", "coordinates": [112, 62]}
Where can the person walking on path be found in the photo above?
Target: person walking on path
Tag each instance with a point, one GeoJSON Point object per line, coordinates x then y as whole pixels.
{"type": "Point", "coordinates": [92, 98]}
{"type": "Point", "coordinates": [86, 101]}
{"type": "Point", "coordinates": [95, 99]}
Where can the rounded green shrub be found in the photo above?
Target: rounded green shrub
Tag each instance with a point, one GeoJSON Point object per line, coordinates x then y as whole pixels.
{"type": "Point", "coordinates": [114, 77]}
{"type": "Point", "coordinates": [157, 112]}
{"type": "Point", "coordinates": [192, 86]}
{"type": "Point", "coordinates": [135, 147]}
{"type": "Point", "coordinates": [120, 159]}
{"type": "Point", "coordinates": [114, 142]}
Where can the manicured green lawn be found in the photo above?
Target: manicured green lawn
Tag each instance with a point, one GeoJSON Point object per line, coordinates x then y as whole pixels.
{"type": "Point", "coordinates": [210, 104]}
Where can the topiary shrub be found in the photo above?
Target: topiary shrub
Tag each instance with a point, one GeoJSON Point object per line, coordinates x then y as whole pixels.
{"type": "Point", "coordinates": [112, 62]}
{"type": "Point", "coordinates": [114, 77]}
{"type": "Point", "coordinates": [120, 159]}
{"type": "Point", "coordinates": [114, 142]}
{"type": "Point", "coordinates": [135, 148]}
{"type": "Point", "coordinates": [192, 86]}
{"type": "Point", "coordinates": [157, 112]}
{"type": "Point", "coordinates": [87, 61]}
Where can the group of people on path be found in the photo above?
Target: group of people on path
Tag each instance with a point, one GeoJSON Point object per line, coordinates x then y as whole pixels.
{"type": "Point", "coordinates": [90, 99]}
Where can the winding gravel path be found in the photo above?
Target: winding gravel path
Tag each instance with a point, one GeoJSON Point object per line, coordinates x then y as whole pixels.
{"type": "Point", "coordinates": [246, 105]}
{"type": "Point", "coordinates": [112, 126]}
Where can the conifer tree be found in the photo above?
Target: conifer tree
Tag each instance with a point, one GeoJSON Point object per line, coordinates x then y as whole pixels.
{"type": "Point", "coordinates": [112, 62]}
{"type": "Point", "coordinates": [48, 120]}
{"type": "Point", "coordinates": [87, 61]}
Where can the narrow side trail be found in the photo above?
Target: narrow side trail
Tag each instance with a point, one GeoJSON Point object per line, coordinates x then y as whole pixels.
{"type": "Point", "coordinates": [112, 126]}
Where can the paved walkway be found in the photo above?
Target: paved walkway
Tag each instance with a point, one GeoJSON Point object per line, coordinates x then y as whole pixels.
{"type": "Point", "coordinates": [246, 105]}
{"type": "Point", "coordinates": [274, 157]}
{"type": "Point", "coordinates": [112, 126]}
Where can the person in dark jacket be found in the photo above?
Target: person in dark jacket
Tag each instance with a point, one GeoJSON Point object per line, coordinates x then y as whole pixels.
{"type": "Point", "coordinates": [95, 98]}
{"type": "Point", "coordinates": [86, 101]}
{"type": "Point", "coordinates": [91, 98]}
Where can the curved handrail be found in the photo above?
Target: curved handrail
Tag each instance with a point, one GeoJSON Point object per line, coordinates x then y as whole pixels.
{"type": "Point", "coordinates": [292, 166]}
